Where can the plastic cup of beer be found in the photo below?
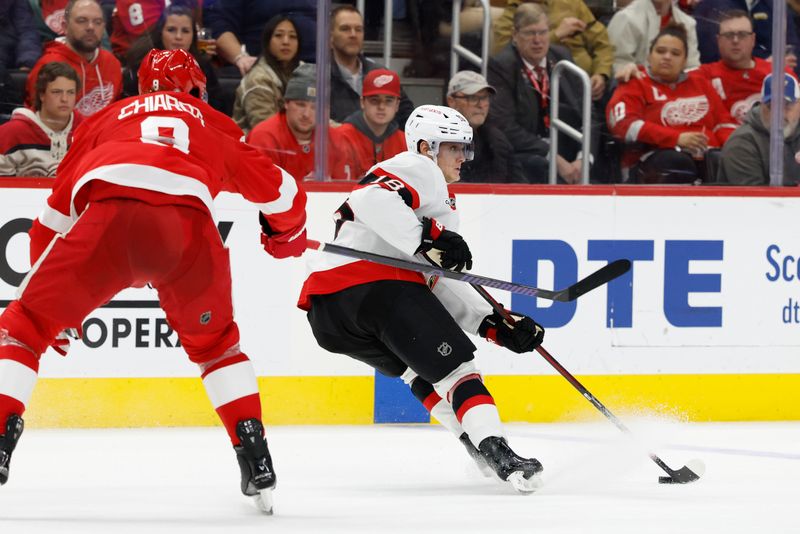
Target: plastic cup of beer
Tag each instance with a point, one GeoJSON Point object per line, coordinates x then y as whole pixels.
{"type": "Point", "coordinates": [204, 38]}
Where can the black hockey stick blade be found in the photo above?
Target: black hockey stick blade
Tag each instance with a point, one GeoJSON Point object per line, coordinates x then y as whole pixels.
{"type": "Point", "coordinates": [598, 278]}
{"type": "Point", "coordinates": [690, 472]}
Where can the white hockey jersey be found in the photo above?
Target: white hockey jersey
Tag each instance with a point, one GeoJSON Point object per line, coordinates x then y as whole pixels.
{"type": "Point", "coordinates": [384, 216]}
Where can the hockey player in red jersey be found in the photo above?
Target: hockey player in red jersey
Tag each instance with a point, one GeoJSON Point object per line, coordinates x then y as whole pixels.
{"type": "Point", "coordinates": [133, 204]}
{"type": "Point", "coordinates": [671, 118]}
{"type": "Point", "coordinates": [394, 321]}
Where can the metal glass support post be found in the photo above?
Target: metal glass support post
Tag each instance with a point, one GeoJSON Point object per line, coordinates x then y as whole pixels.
{"type": "Point", "coordinates": [323, 109]}
{"type": "Point", "coordinates": [557, 125]}
{"type": "Point", "coordinates": [387, 32]}
{"type": "Point", "coordinates": [776, 106]}
{"type": "Point", "coordinates": [456, 50]}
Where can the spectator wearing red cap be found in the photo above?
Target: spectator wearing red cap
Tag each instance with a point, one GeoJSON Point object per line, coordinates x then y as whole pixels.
{"type": "Point", "coordinates": [288, 136]}
{"type": "Point", "coordinates": [373, 132]}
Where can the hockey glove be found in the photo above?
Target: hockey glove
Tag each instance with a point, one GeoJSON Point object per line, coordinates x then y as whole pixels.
{"type": "Point", "coordinates": [443, 247]}
{"type": "Point", "coordinates": [522, 336]}
{"type": "Point", "coordinates": [284, 245]}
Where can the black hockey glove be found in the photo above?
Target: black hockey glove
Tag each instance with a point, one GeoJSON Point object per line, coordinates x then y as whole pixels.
{"type": "Point", "coordinates": [522, 336]}
{"type": "Point", "coordinates": [443, 247]}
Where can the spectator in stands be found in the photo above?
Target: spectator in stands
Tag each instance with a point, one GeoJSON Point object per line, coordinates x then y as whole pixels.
{"type": "Point", "coordinates": [48, 17]}
{"type": "Point", "coordinates": [737, 76]}
{"type": "Point", "coordinates": [349, 66]}
{"type": "Point", "coordinates": [633, 28]}
{"type": "Point", "coordinates": [672, 116]}
{"type": "Point", "coordinates": [34, 142]}
{"type": "Point", "coordinates": [131, 18]}
{"type": "Point", "coordinates": [572, 24]}
{"type": "Point", "coordinates": [20, 45]}
{"type": "Point", "coordinates": [707, 13]}
{"type": "Point", "coordinates": [745, 157]}
{"type": "Point", "coordinates": [239, 24]}
{"type": "Point", "coordinates": [99, 71]}
{"type": "Point", "coordinates": [175, 29]}
{"type": "Point", "coordinates": [493, 162]}
{"type": "Point", "coordinates": [373, 133]}
{"type": "Point", "coordinates": [521, 75]}
{"type": "Point", "coordinates": [288, 137]}
{"type": "Point", "coordinates": [259, 94]}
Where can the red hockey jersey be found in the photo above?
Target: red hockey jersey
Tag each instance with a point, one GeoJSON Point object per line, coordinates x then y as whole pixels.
{"type": "Point", "coordinates": [739, 89]}
{"type": "Point", "coordinates": [274, 138]}
{"type": "Point", "coordinates": [654, 114]}
{"type": "Point", "coordinates": [165, 143]}
{"type": "Point", "coordinates": [368, 152]}
{"type": "Point", "coordinates": [101, 78]}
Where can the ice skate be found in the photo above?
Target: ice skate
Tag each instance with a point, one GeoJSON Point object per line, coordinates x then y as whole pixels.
{"type": "Point", "coordinates": [8, 440]}
{"type": "Point", "coordinates": [521, 473]}
{"type": "Point", "coordinates": [475, 454]}
{"type": "Point", "coordinates": [255, 463]}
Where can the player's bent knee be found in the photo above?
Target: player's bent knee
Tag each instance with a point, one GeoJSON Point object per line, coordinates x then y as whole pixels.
{"type": "Point", "coordinates": [446, 385]}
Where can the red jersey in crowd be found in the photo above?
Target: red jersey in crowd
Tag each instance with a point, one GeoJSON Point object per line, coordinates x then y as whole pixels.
{"type": "Point", "coordinates": [198, 154]}
{"type": "Point", "coordinates": [653, 113]}
{"type": "Point", "coordinates": [369, 149]}
{"type": "Point", "coordinates": [131, 19]}
{"type": "Point", "coordinates": [100, 79]}
{"type": "Point", "coordinates": [274, 138]}
{"type": "Point", "coordinates": [29, 147]}
{"type": "Point", "coordinates": [738, 88]}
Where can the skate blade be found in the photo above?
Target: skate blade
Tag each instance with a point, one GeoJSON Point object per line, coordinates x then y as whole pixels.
{"type": "Point", "coordinates": [524, 485]}
{"type": "Point", "coordinates": [263, 501]}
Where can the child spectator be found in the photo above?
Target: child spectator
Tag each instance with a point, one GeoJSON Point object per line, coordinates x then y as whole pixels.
{"type": "Point", "coordinates": [34, 142]}
{"type": "Point", "coordinates": [373, 132]}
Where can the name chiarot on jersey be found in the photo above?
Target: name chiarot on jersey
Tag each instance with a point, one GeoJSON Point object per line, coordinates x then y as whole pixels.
{"type": "Point", "coordinates": [155, 102]}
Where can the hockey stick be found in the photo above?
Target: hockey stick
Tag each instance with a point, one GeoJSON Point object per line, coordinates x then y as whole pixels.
{"type": "Point", "coordinates": [596, 279]}
{"type": "Point", "coordinates": [684, 475]}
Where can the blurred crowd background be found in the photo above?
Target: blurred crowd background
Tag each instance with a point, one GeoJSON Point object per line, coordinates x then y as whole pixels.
{"type": "Point", "coordinates": [653, 91]}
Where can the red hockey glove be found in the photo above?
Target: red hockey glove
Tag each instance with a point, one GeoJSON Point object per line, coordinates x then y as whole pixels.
{"type": "Point", "coordinates": [522, 336]}
{"type": "Point", "coordinates": [443, 247]}
{"type": "Point", "coordinates": [61, 343]}
{"type": "Point", "coordinates": [283, 245]}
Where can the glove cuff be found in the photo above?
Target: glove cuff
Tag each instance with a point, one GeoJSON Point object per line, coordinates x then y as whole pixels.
{"type": "Point", "coordinates": [488, 329]}
{"type": "Point", "coordinates": [431, 230]}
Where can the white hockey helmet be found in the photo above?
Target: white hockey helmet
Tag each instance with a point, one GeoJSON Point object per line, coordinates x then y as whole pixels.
{"type": "Point", "coordinates": [436, 125]}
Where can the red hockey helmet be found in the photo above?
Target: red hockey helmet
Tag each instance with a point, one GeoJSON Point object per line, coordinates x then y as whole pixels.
{"type": "Point", "coordinates": [171, 70]}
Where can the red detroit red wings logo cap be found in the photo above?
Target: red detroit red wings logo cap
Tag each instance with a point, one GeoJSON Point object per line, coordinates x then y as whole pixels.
{"type": "Point", "coordinates": [381, 82]}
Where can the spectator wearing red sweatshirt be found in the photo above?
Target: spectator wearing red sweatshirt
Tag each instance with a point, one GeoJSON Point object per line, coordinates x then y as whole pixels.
{"type": "Point", "coordinates": [373, 133]}
{"type": "Point", "coordinates": [99, 71]}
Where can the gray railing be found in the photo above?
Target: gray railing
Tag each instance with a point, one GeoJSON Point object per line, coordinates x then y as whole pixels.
{"type": "Point", "coordinates": [557, 125]}
{"type": "Point", "coordinates": [387, 28]}
{"type": "Point", "coordinates": [456, 50]}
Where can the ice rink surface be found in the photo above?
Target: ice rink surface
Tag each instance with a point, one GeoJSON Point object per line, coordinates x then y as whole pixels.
{"type": "Point", "coordinates": [407, 478]}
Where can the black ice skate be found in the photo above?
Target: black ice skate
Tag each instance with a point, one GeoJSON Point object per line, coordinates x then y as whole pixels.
{"type": "Point", "coordinates": [8, 441]}
{"type": "Point", "coordinates": [475, 454]}
{"type": "Point", "coordinates": [521, 473]}
{"type": "Point", "coordinates": [255, 463]}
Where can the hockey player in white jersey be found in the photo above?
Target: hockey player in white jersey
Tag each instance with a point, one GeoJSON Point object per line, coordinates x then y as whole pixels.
{"type": "Point", "coordinates": [402, 324]}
